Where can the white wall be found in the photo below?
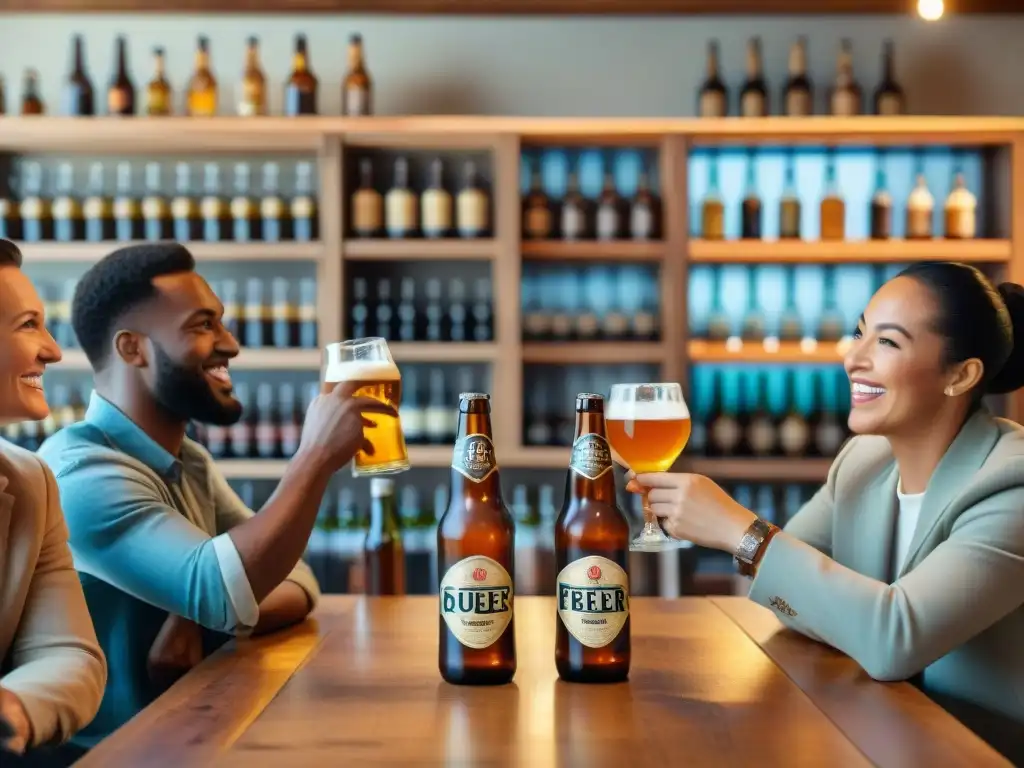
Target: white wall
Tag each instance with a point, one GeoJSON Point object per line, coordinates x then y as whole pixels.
{"type": "Point", "coordinates": [541, 66]}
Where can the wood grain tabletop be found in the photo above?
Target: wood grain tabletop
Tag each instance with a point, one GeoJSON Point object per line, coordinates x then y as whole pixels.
{"type": "Point", "coordinates": [714, 682]}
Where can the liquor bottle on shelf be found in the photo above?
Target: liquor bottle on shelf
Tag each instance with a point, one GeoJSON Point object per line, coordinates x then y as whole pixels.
{"type": "Point", "coordinates": [789, 206]}
{"type": "Point", "coordinates": [609, 207]}
{"type": "Point", "coordinates": [201, 100]}
{"type": "Point", "coordinates": [437, 417]}
{"type": "Point", "coordinates": [537, 429]}
{"type": "Point", "coordinates": [751, 206]}
{"type": "Point", "coordinates": [920, 211]}
{"type": "Point", "coordinates": [10, 219]}
{"type": "Point", "coordinates": [308, 328]}
{"type": "Point", "coordinates": [845, 99]}
{"type": "Point", "coordinates": [304, 219]}
{"type": "Point", "coordinates": [829, 433]}
{"type": "Point", "coordinates": [213, 208]}
{"type": "Point", "coordinates": [537, 219]}
{"type": "Point", "coordinates": [121, 93]}
{"type": "Point", "coordinates": [291, 420]}
{"type": "Point", "coordinates": [791, 322]}
{"type": "Point", "coordinates": [889, 99]}
{"type": "Point", "coordinates": [156, 214]}
{"type": "Point", "coordinates": [233, 310]}
{"type": "Point", "coordinates": [436, 204]}
{"type": "Point", "coordinates": [724, 431]}
{"type": "Point", "coordinates": [712, 209]}
{"type": "Point", "coordinates": [383, 551]}
{"type": "Point", "coordinates": [574, 222]}
{"type": "Point", "coordinates": [472, 205]}
{"type": "Point", "coordinates": [265, 433]}
{"type": "Point", "coordinates": [794, 433]}
{"type": "Point", "coordinates": [31, 102]}
{"type": "Point", "coordinates": [719, 326]}
{"type": "Point", "coordinates": [406, 312]}
{"type": "Point", "coordinates": [833, 209]}
{"type": "Point", "coordinates": [713, 99]}
{"type": "Point", "coordinates": [67, 210]}
{"type": "Point", "coordinates": [481, 311]}
{"type": "Point", "coordinates": [78, 91]}
{"type": "Point", "coordinates": [158, 91]}
{"type": "Point", "coordinates": [245, 220]}
{"type": "Point", "coordinates": [754, 96]}
{"type": "Point", "coordinates": [184, 212]}
{"type": "Point", "coordinates": [410, 412]}
{"type": "Point", "coordinates": [384, 314]}
{"type": "Point", "coordinates": [253, 99]}
{"type": "Point", "coordinates": [254, 314]}
{"type": "Point", "coordinates": [97, 209]}
{"type": "Point", "coordinates": [433, 311]}
{"type": "Point", "coordinates": [761, 435]}
{"type": "Point", "coordinates": [400, 209]}
{"type": "Point", "coordinates": [274, 219]}
{"type": "Point", "coordinates": [35, 210]}
{"type": "Point", "coordinates": [360, 308]}
{"type": "Point", "coordinates": [961, 205]}
{"type": "Point", "coordinates": [643, 211]}
{"type": "Point", "coordinates": [357, 89]}
{"type": "Point", "coordinates": [367, 203]}
{"type": "Point", "coordinates": [753, 329]}
{"type": "Point", "coordinates": [798, 95]}
{"type": "Point", "coordinates": [831, 323]}
{"type": "Point", "coordinates": [127, 212]}
{"type": "Point", "coordinates": [881, 205]}
{"type": "Point", "coordinates": [457, 313]}
{"type": "Point", "coordinates": [242, 434]}
{"type": "Point", "coordinates": [301, 88]}
{"type": "Point", "coordinates": [284, 315]}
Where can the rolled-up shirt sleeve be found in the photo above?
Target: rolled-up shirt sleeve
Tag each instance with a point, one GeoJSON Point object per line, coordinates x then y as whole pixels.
{"type": "Point", "coordinates": [123, 532]}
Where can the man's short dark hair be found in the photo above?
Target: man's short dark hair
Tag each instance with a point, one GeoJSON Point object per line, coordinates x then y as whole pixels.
{"type": "Point", "coordinates": [10, 254]}
{"type": "Point", "coordinates": [117, 283]}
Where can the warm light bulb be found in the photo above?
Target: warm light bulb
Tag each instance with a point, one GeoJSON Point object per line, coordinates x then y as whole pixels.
{"type": "Point", "coordinates": [930, 10]}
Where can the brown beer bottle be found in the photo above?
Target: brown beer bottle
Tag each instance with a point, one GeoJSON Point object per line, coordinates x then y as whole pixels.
{"type": "Point", "coordinates": [475, 559]}
{"type": "Point", "coordinates": [592, 560]}
{"type": "Point", "coordinates": [383, 555]}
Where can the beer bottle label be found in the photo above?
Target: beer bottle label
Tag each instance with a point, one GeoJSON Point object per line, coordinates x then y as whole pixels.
{"type": "Point", "coordinates": [591, 456]}
{"type": "Point", "coordinates": [593, 600]}
{"type": "Point", "coordinates": [473, 457]}
{"type": "Point", "coordinates": [476, 601]}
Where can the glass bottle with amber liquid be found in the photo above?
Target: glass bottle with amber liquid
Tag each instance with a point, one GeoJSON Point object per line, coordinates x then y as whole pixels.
{"type": "Point", "coordinates": [798, 95]}
{"type": "Point", "coordinates": [127, 209]}
{"type": "Point", "coordinates": [357, 89]}
{"type": "Point", "coordinates": [537, 219]}
{"type": "Point", "coordinates": [158, 91]}
{"type": "Point", "coordinates": [609, 217]}
{"type": "Point", "coordinates": [476, 559]}
{"type": "Point", "coordinates": [245, 218]}
{"type": "Point", "coordinates": [300, 90]}
{"type": "Point", "coordinates": [68, 225]}
{"type": "Point", "coordinates": [10, 218]}
{"type": "Point", "coordinates": [367, 204]}
{"type": "Point", "coordinates": [754, 95]}
{"type": "Point", "coordinates": [156, 213]}
{"type": "Point", "coordinates": [793, 430]}
{"type": "Point", "coordinates": [184, 210]}
{"type": "Point", "coordinates": [644, 218]}
{"type": "Point", "coordinates": [791, 321]}
{"type": "Point", "coordinates": [831, 322]}
{"type": "Point", "coordinates": [201, 99]}
{"type": "Point", "coordinates": [889, 98]}
{"type": "Point", "coordinates": [401, 214]}
{"type": "Point", "coordinates": [34, 211]}
{"type": "Point", "coordinates": [436, 204]}
{"type": "Point", "coordinates": [753, 328]}
{"type": "Point", "coordinates": [121, 93]}
{"type": "Point", "coordinates": [713, 99]}
{"type": "Point", "coordinates": [592, 631]}
{"type": "Point", "coordinates": [98, 208]}
{"type": "Point", "coordinates": [719, 325]}
{"type": "Point", "coordinates": [472, 205]}
{"type": "Point", "coordinates": [761, 437]}
{"type": "Point", "coordinates": [833, 209]}
{"type": "Point", "coordinates": [846, 98]}
{"type": "Point", "coordinates": [274, 215]}
{"type": "Point", "coordinates": [881, 205]}
{"type": "Point", "coordinates": [789, 205]}
{"type": "Point", "coordinates": [213, 208]}
{"type": "Point", "coordinates": [961, 206]}
{"type": "Point", "coordinates": [920, 210]}
{"type": "Point", "coordinates": [78, 92]}
{"type": "Point", "coordinates": [304, 216]}
{"type": "Point", "coordinates": [383, 554]}
{"type": "Point", "coordinates": [725, 433]}
{"type": "Point", "coordinates": [712, 213]}
{"type": "Point", "coordinates": [750, 220]}
{"type": "Point", "coordinates": [575, 214]}
{"type": "Point", "coordinates": [253, 101]}
{"type": "Point", "coordinates": [31, 102]}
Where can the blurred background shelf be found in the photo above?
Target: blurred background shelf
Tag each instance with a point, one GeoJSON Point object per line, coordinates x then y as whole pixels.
{"type": "Point", "coordinates": [702, 351]}
{"type": "Point", "coordinates": [89, 253]}
{"type": "Point", "coordinates": [247, 360]}
{"type": "Point", "coordinates": [768, 470]}
{"type": "Point", "coordinates": [420, 250]}
{"type": "Point", "coordinates": [597, 352]}
{"type": "Point", "coordinates": [592, 250]}
{"type": "Point", "coordinates": [443, 352]}
{"type": "Point", "coordinates": [848, 252]}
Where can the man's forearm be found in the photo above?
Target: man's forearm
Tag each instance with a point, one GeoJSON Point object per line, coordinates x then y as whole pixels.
{"type": "Point", "coordinates": [287, 604]}
{"type": "Point", "coordinates": [271, 543]}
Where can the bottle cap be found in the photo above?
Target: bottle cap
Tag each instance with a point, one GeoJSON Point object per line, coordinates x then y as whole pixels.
{"type": "Point", "coordinates": [381, 486]}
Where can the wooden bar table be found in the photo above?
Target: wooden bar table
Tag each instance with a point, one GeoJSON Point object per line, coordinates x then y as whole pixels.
{"type": "Point", "coordinates": [714, 682]}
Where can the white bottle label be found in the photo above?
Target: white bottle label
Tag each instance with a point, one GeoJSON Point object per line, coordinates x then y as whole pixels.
{"type": "Point", "coordinates": [793, 435]}
{"type": "Point", "coordinates": [593, 600]}
{"type": "Point", "coordinates": [607, 223]}
{"type": "Point", "coordinates": [476, 601]}
{"type": "Point", "coordinates": [641, 222]}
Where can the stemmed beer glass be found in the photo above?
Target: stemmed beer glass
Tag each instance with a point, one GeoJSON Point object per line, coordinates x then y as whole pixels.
{"type": "Point", "coordinates": [648, 426]}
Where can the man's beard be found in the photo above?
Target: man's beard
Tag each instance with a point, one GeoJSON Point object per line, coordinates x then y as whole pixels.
{"type": "Point", "coordinates": [186, 394]}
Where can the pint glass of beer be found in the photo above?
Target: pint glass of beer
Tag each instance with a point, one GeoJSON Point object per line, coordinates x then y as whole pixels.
{"type": "Point", "coordinates": [369, 364]}
{"type": "Point", "coordinates": [648, 426]}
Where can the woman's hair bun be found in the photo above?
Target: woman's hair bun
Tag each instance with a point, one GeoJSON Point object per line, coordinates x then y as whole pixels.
{"type": "Point", "coordinates": [1011, 376]}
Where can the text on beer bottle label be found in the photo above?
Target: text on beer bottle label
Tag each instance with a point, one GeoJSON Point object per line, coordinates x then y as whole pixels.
{"type": "Point", "coordinates": [473, 457]}
{"type": "Point", "coordinates": [593, 600]}
{"type": "Point", "coordinates": [476, 600]}
{"type": "Point", "coordinates": [591, 456]}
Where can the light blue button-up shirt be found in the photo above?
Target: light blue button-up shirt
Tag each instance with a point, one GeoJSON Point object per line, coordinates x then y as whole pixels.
{"type": "Point", "coordinates": [148, 533]}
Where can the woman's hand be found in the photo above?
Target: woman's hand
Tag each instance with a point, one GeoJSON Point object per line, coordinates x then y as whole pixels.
{"type": "Point", "coordinates": [17, 734]}
{"type": "Point", "coordinates": [694, 508]}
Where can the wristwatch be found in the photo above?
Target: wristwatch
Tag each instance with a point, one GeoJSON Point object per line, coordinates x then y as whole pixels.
{"type": "Point", "coordinates": [752, 544]}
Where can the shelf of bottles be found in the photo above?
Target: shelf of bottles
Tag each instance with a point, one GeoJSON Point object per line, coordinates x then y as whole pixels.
{"type": "Point", "coordinates": [409, 203]}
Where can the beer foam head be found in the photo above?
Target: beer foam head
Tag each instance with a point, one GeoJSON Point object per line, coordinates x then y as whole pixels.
{"type": "Point", "coordinates": [362, 370]}
{"type": "Point", "coordinates": [646, 410]}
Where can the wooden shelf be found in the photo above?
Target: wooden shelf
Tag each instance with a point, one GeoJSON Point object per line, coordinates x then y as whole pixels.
{"type": "Point", "coordinates": [597, 352]}
{"type": "Point", "coordinates": [252, 469]}
{"type": "Point", "coordinates": [420, 250]}
{"type": "Point", "coordinates": [443, 352]}
{"type": "Point", "coordinates": [866, 251]}
{"type": "Point", "coordinates": [247, 360]}
{"type": "Point", "coordinates": [760, 470]}
{"type": "Point", "coordinates": [42, 253]}
{"type": "Point", "coordinates": [592, 250]}
{"type": "Point", "coordinates": [702, 351]}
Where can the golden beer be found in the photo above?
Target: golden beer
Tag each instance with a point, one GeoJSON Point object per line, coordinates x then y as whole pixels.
{"type": "Point", "coordinates": [368, 364]}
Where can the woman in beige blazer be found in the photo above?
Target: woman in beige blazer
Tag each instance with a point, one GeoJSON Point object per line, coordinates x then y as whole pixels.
{"type": "Point", "coordinates": [52, 672]}
{"type": "Point", "coordinates": [910, 559]}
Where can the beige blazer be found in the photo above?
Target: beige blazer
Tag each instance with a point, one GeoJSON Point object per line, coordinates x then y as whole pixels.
{"type": "Point", "coordinates": [48, 650]}
{"type": "Point", "coordinates": [953, 612]}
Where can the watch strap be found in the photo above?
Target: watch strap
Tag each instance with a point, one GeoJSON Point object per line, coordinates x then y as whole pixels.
{"type": "Point", "coordinates": [753, 545]}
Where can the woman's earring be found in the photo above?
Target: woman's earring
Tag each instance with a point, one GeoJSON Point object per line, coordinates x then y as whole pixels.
{"type": "Point", "coordinates": [949, 391]}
